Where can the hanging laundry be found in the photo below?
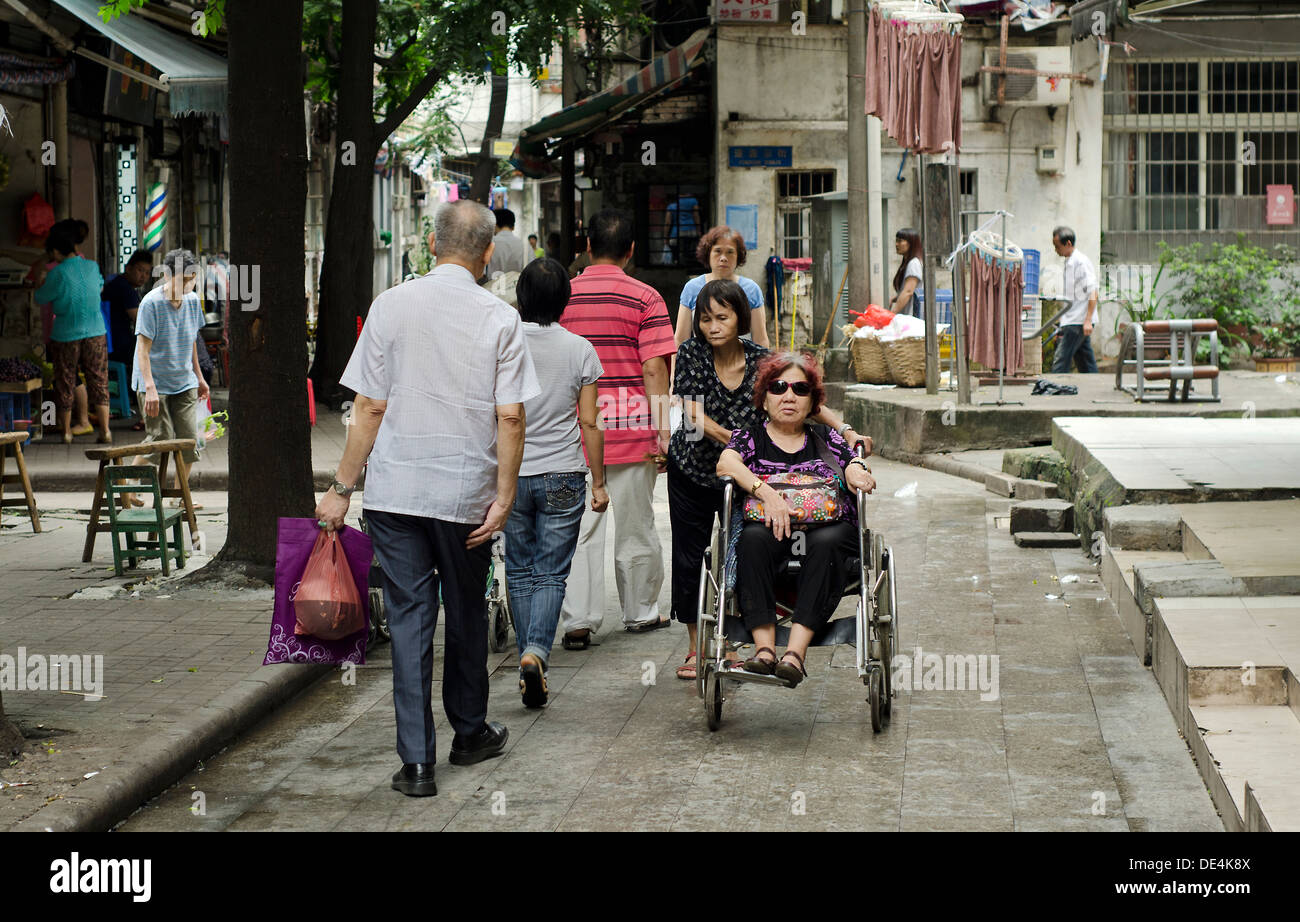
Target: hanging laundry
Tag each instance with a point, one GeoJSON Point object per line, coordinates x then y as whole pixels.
{"type": "Point", "coordinates": [985, 304]}
{"type": "Point", "coordinates": [913, 78]}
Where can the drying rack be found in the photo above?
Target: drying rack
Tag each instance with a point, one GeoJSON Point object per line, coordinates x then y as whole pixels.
{"type": "Point", "coordinates": [1007, 255]}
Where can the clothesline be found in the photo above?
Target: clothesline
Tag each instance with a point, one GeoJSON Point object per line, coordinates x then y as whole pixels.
{"type": "Point", "coordinates": [983, 227]}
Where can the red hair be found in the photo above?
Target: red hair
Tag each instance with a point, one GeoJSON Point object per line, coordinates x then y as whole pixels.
{"type": "Point", "coordinates": [776, 364]}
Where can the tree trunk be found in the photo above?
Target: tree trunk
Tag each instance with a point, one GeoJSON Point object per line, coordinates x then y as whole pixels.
{"type": "Point", "coordinates": [348, 268]}
{"type": "Point", "coordinates": [11, 739]}
{"type": "Point", "coordinates": [270, 437]}
{"type": "Point", "coordinates": [480, 189]}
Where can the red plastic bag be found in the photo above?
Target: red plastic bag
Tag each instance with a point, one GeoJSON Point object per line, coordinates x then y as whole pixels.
{"type": "Point", "coordinates": [874, 316]}
{"type": "Point", "coordinates": [328, 605]}
{"type": "Point", "coordinates": [38, 218]}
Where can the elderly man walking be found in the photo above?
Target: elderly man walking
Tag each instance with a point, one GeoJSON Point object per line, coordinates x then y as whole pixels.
{"type": "Point", "coordinates": [441, 373]}
{"type": "Point", "coordinates": [1080, 289]}
{"type": "Point", "coordinates": [628, 324]}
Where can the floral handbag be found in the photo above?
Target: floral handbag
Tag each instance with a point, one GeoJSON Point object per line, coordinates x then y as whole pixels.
{"type": "Point", "coordinates": [815, 500]}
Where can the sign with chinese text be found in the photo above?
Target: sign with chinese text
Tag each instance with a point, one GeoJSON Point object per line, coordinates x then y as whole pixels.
{"type": "Point", "coordinates": [1281, 205]}
{"type": "Point", "coordinates": [759, 156]}
{"type": "Point", "coordinates": [748, 10]}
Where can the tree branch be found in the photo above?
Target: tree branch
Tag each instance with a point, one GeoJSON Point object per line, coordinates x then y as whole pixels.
{"type": "Point", "coordinates": [388, 63]}
{"type": "Point", "coordinates": [399, 112]}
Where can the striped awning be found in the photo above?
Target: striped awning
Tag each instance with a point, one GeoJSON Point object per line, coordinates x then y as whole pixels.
{"type": "Point", "coordinates": [537, 141]}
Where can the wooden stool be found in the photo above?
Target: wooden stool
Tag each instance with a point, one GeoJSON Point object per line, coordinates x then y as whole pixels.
{"type": "Point", "coordinates": [167, 448]}
{"type": "Point", "coordinates": [14, 440]}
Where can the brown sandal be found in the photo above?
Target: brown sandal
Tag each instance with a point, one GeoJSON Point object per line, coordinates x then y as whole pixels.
{"type": "Point", "coordinates": [792, 675]}
{"type": "Point", "coordinates": [761, 666]}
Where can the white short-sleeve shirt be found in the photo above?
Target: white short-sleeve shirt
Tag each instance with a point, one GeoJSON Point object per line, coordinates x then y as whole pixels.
{"type": "Point", "coordinates": [443, 353]}
{"type": "Point", "coordinates": [1078, 284]}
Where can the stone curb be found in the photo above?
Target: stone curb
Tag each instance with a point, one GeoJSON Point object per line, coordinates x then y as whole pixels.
{"type": "Point", "coordinates": [938, 462]}
{"type": "Point", "coordinates": [116, 792]}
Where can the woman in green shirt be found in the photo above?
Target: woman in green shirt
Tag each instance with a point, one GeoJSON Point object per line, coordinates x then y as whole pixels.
{"type": "Point", "coordinates": [78, 339]}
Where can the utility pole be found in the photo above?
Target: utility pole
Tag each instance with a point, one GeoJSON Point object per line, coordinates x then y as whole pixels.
{"type": "Point", "coordinates": [569, 95]}
{"type": "Point", "coordinates": [857, 126]}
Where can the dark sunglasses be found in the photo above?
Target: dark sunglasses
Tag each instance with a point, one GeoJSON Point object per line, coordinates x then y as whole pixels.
{"type": "Point", "coordinates": [800, 388]}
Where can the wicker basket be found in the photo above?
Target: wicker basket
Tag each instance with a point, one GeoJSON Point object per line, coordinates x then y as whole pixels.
{"type": "Point", "coordinates": [869, 363]}
{"type": "Point", "coordinates": [906, 361]}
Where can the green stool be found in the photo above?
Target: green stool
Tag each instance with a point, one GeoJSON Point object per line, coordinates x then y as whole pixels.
{"type": "Point", "coordinates": [131, 522]}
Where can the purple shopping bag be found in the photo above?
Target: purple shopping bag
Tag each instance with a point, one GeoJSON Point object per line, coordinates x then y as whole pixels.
{"type": "Point", "coordinates": [294, 544]}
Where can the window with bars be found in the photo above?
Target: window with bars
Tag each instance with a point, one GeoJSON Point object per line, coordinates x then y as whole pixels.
{"type": "Point", "coordinates": [676, 217]}
{"type": "Point", "coordinates": [794, 211]}
{"type": "Point", "coordinates": [1191, 147]}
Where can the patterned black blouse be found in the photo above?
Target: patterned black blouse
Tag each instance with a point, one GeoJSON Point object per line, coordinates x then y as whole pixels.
{"type": "Point", "coordinates": [696, 379]}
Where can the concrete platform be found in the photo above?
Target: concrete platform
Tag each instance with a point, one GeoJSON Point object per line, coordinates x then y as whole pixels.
{"type": "Point", "coordinates": [1123, 461]}
{"type": "Point", "coordinates": [908, 421]}
{"type": "Point", "coordinates": [1252, 754]}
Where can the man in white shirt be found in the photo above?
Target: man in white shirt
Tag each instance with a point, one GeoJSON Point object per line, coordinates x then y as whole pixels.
{"type": "Point", "coordinates": [441, 372]}
{"type": "Point", "coordinates": [511, 254]}
{"type": "Point", "coordinates": [1074, 330]}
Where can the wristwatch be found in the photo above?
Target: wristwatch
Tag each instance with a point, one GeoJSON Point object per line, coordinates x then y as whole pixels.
{"type": "Point", "coordinates": [753, 491]}
{"type": "Point", "coordinates": [843, 429]}
{"type": "Point", "coordinates": [341, 489]}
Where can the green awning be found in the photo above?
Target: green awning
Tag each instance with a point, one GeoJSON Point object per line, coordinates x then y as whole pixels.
{"type": "Point", "coordinates": [537, 141]}
{"type": "Point", "coordinates": [196, 78]}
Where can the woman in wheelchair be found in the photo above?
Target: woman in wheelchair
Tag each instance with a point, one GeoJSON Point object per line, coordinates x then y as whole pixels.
{"type": "Point", "coordinates": [788, 390]}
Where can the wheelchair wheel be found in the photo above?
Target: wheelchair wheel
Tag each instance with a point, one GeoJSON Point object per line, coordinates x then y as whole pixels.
{"type": "Point", "coordinates": [884, 608]}
{"type": "Point", "coordinates": [713, 699]}
{"type": "Point", "coordinates": [875, 694]}
{"type": "Point", "coordinates": [498, 619]}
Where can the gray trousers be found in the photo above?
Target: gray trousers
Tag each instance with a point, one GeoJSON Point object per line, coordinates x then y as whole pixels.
{"type": "Point", "coordinates": [410, 548]}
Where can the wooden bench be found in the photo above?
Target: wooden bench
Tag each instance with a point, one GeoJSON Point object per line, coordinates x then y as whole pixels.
{"type": "Point", "coordinates": [14, 441]}
{"type": "Point", "coordinates": [1177, 339]}
{"type": "Point", "coordinates": [117, 454]}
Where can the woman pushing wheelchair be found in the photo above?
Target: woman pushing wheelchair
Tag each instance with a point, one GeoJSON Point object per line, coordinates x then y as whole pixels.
{"type": "Point", "coordinates": [799, 477]}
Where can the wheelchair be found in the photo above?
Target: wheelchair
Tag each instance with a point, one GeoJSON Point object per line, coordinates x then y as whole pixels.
{"type": "Point", "coordinates": [873, 627]}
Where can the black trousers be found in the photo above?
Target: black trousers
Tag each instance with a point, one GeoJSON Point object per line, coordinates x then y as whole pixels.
{"type": "Point", "coordinates": [824, 572]}
{"type": "Point", "coordinates": [691, 511]}
{"type": "Point", "coordinates": [409, 549]}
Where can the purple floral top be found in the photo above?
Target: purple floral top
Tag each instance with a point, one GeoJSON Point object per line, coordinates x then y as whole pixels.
{"type": "Point", "coordinates": [762, 456]}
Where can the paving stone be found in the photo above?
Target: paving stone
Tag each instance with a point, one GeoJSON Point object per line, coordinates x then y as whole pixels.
{"type": "Point", "coordinates": [1042, 515]}
{"type": "Point", "coordinates": [1030, 539]}
{"type": "Point", "coordinates": [999, 483]}
{"type": "Point", "coordinates": [1035, 489]}
{"type": "Point", "coordinates": [1143, 527]}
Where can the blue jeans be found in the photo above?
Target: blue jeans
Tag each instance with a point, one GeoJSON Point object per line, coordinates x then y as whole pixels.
{"type": "Point", "coordinates": [1072, 344]}
{"type": "Point", "coordinates": [541, 535]}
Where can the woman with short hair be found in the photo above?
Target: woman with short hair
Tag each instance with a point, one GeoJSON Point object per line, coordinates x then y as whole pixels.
{"type": "Point", "coordinates": [723, 251]}
{"type": "Point", "coordinates": [789, 391]}
{"type": "Point", "coordinates": [542, 531]}
{"type": "Point", "coordinates": [78, 337]}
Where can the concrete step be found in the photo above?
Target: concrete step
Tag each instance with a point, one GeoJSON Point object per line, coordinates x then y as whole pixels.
{"type": "Point", "coordinates": [1042, 515]}
{"type": "Point", "coordinates": [1249, 758]}
{"type": "Point", "coordinates": [1117, 576]}
{"type": "Point", "coordinates": [1255, 541]}
{"type": "Point", "coordinates": [1143, 528]}
{"type": "Point", "coordinates": [1052, 539]}
{"type": "Point", "coordinates": [1222, 651]}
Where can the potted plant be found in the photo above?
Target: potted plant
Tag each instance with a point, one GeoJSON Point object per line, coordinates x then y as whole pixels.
{"type": "Point", "coordinates": [1237, 284]}
{"type": "Point", "coordinates": [1141, 303]}
{"type": "Point", "coordinates": [1279, 345]}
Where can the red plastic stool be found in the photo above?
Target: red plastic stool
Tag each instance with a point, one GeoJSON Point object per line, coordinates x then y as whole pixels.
{"type": "Point", "coordinates": [311, 403]}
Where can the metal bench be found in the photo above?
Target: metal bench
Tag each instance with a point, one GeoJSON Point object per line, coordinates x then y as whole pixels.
{"type": "Point", "coordinates": [1178, 340]}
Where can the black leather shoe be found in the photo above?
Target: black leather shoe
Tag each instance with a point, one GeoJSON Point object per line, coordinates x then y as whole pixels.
{"type": "Point", "coordinates": [486, 743]}
{"type": "Point", "coordinates": [415, 779]}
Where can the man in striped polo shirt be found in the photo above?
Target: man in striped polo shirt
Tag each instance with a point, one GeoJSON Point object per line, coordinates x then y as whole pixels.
{"type": "Point", "coordinates": [627, 322]}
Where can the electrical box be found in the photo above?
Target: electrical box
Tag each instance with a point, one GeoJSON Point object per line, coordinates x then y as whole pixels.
{"type": "Point", "coordinates": [1050, 159]}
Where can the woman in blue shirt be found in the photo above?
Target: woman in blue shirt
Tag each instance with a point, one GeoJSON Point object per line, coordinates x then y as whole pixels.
{"type": "Point", "coordinates": [723, 251]}
{"type": "Point", "coordinates": [78, 339]}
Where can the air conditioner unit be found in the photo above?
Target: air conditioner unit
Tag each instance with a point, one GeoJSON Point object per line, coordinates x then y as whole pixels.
{"type": "Point", "coordinates": [1025, 90]}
